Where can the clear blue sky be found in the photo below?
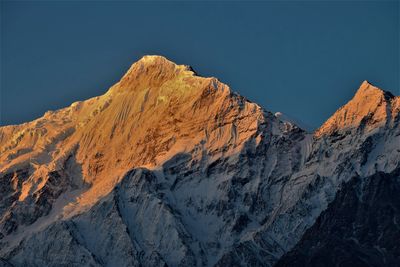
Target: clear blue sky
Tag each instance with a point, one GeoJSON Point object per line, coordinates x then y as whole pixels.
{"type": "Point", "coordinates": [305, 59]}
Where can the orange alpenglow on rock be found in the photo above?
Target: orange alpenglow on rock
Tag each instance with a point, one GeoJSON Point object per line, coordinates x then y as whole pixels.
{"type": "Point", "coordinates": [171, 169]}
{"type": "Point", "coordinates": [370, 108]}
{"type": "Point", "coordinates": [157, 109]}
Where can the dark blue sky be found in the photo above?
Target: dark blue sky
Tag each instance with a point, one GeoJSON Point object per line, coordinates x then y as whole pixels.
{"type": "Point", "coordinates": [305, 59]}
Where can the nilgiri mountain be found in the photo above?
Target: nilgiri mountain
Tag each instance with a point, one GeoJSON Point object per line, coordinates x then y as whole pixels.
{"type": "Point", "coordinates": [171, 169]}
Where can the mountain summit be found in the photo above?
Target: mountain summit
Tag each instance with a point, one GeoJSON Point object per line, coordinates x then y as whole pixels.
{"type": "Point", "coordinates": [171, 169]}
{"type": "Point", "coordinates": [371, 107]}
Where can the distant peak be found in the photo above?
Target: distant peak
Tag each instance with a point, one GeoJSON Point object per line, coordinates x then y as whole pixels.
{"type": "Point", "coordinates": [365, 83]}
{"type": "Point", "coordinates": [368, 106]}
{"type": "Point", "coordinates": [367, 89]}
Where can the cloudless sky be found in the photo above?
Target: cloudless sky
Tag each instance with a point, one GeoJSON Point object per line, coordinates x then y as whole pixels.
{"type": "Point", "coordinates": [305, 59]}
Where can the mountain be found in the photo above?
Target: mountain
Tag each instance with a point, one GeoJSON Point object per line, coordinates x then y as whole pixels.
{"type": "Point", "coordinates": [359, 228]}
{"type": "Point", "coordinates": [171, 169]}
{"type": "Point", "coordinates": [289, 119]}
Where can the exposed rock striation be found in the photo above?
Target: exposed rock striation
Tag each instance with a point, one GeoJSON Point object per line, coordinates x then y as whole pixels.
{"type": "Point", "coordinates": [171, 169]}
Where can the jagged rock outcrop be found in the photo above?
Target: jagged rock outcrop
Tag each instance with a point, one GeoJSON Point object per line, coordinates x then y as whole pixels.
{"type": "Point", "coordinates": [171, 169]}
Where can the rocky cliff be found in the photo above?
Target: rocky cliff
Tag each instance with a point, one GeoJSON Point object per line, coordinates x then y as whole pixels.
{"type": "Point", "coordinates": [171, 169]}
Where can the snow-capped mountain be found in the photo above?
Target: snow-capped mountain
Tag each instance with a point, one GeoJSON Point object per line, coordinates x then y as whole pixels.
{"type": "Point", "coordinates": [171, 169]}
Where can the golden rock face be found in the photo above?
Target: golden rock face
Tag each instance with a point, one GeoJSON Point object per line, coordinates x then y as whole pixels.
{"type": "Point", "coordinates": [370, 105]}
{"type": "Point", "coordinates": [168, 163]}
{"type": "Point", "coordinates": [157, 109]}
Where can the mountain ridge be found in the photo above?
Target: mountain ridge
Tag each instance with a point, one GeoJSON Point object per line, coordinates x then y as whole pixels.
{"type": "Point", "coordinates": [232, 182]}
{"type": "Point", "coordinates": [369, 104]}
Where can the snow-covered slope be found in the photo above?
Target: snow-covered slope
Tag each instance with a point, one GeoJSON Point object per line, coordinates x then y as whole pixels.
{"type": "Point", "coordinates": [168, 168]}
{"type": "Point", "coordinates": [359, 228]}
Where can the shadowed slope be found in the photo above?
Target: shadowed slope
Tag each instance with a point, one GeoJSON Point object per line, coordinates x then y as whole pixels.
{"type": "Point", "coordinates": [170, 168]}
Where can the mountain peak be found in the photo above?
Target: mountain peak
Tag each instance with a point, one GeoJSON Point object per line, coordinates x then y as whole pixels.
{"type": "Point", "coordinates": [155, 60]}
{"type": "Point", "coordinates": [157, 110]}
{"type": "Point", "coordinates": [364, 85]}
{"type": "Point", "coordinates": [170, 168]}
{"type": "Point", "coordinates": [151, 58]}
{"type": "Point", "coordinates": [155, 70]}
{"type": "Point", "coordinates": [370, 105]}
{"type": "Point", "coordinates": [367, 89]}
